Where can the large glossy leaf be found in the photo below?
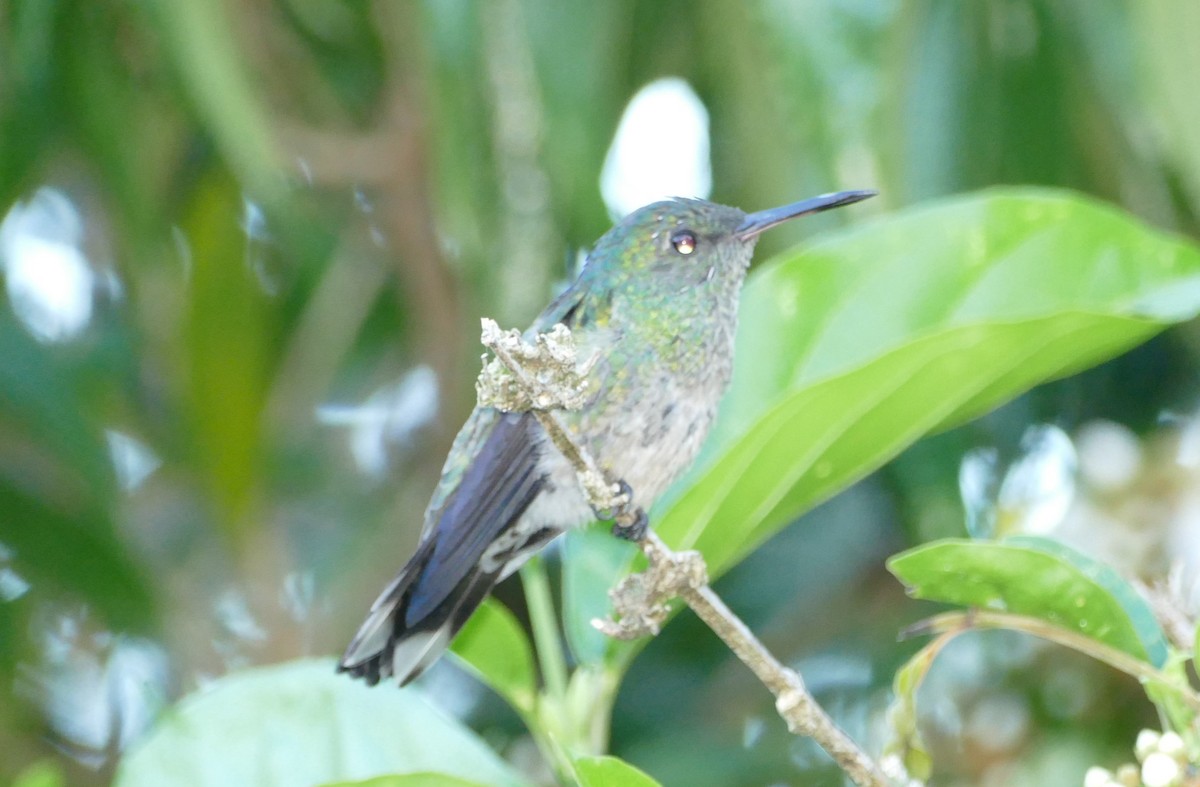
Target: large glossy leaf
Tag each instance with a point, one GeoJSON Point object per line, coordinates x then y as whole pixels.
{"type": "Point", "coordinates": [301, 723]}
{"type": "Point", "coordinates": [1060, 587]}
{"type": "Point", "coordinates": [853, 349]}
{"type": "Point", "coordinates": [494, 647]}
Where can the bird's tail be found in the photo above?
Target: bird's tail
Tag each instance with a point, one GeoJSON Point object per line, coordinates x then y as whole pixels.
{"type": "Point", "coordinates": [401, 639]}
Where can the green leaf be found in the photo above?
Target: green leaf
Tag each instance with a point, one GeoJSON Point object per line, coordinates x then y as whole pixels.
{"type": "Point", "coordinates": [1140, 615]}
{"type": "Point", "coordinates": [76, 551]}
{"type": "Point", "coordinates": [227, 333]}
{"type": "Point", "coordinates": [43, 773]}
{"type": "Point", "coordinates": [1025, 581]}
{"type": "Point", "coordinates": [1196, 650]}
{"type": "Point", "coordinates": [610, 772]}
{"type": "Point", "coordinates": [593, 562]}
{"type": "Point", "coordinates": [905, 739]}
{"type": "Point", "coordinates": [301, 723]}
{"type": "Point", "coordinates": [850, 351]}
{"type": "Point", "coordinates": [410, 780]}
{"type": "Point", "coordinates": [494, 647]}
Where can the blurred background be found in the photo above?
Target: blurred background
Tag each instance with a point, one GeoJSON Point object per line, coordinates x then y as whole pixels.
{"type": "Point", "coordinates": [245, 247]}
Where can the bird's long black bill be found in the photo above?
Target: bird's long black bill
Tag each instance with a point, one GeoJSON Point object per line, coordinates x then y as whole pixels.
{"type": "Point", "coordinates": [764, 220]}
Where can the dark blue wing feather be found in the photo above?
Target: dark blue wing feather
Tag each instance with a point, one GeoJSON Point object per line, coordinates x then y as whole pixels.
{"type": "Point", "coordinates": [492, 476]}
{"type": "Point", "coordinates": [415, 618]}
{"type": "Point", "coordinates": [500, 483]}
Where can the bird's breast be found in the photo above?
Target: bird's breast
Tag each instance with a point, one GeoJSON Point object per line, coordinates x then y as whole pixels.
{"type": "Point", "coordinates": [652, 400]}
{"type": "Point", "coordinates": [648, 434]}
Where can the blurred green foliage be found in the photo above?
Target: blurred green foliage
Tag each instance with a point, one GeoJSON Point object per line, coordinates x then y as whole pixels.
{"type": "Point", "coordinates": [294, 203]}
{"type": "Point", "coordinates": [331, 733]}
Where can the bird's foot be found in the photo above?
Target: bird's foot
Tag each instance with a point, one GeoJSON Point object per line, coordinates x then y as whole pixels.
{"type": "Point", "coordinates": [631, 525]}
{"type": "Point", "coordinates": [607, 503]}
{"type": "Point", "coordinates": [631, 520]}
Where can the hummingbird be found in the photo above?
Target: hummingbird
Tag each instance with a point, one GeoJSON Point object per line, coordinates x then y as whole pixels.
{"type": "Point", "coordinates": [655, 304]}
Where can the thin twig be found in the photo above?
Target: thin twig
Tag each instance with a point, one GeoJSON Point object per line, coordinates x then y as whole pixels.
{"type": "Point", "coordinates": [641, 600]}
{"type": "Point", "coordinates": [556, 392]}
{"type": "Point", "coordinates": [683, 574]}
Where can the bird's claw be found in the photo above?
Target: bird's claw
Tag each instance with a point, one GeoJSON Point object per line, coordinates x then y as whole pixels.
{"type": "Point", "coordinates": [631, 525]}
{"type": "Point", "coordinates": [631, 521]}
{"type": "Point", "coordinates": [617, 504]}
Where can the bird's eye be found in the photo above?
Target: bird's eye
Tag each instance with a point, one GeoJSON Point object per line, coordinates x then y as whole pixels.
{"type": "Point", "coordinates": [684, 242]}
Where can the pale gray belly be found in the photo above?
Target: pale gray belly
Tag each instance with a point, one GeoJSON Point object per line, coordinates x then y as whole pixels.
{"type": "Point", "coordinates": [646, 441]}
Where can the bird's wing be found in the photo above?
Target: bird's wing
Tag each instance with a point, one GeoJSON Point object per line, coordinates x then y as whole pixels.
{"type": "Point", "coordinates": [492, 475]}
{"type": "Point", "coordinates": [572, 308]}
{"type": "Point", "coordinates": [469, 442]}
{"type": "Point", "coordinates": [482, 494]}
{"type": "Point", "coordinates": [488, 433]}
{"type": "Point", "coordinates": [576, 307]}
{"type": "Point", "coordinates": [493, 490]}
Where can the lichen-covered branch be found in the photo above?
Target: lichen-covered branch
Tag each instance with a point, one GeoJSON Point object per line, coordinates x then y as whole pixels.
{"type": "Point", "coordinates": [543, 377]}
{"type": "Point", "coordinates": [640, 602]}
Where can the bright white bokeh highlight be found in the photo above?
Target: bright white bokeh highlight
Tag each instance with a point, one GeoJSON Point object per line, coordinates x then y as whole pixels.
{"type": "Point", "coordinates": [389, 417]}
{"type": "Point", "coordinates": [132, 460]}
{"type": "Point", "coordinates": [660, 150]}
{"type": "Point", "coordinates": [1110, 455]}
{"type": "Point", "coordinates": [49, 281]}
{"type": "Point", "coordinates": [99, 691]}
{"type": "Point", "coordinates": [1032, 494]}
{"type": "Point", "coordinates": [12, 584]}
{"type": "Point", "coordinates": [1040, 485]}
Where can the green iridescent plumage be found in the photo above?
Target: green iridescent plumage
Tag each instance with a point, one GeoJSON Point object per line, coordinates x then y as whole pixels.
{"type": "Point", "coordinates": [656, 304]}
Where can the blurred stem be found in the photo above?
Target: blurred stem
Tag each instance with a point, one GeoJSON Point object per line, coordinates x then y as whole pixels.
{"type": "Point", "coordinates": [957, 622]}
{"type": "Point", "coordinates": [556, 753]}
{"type": "Point", "coordinates": [550, 724]}
{"type": "Point", "coordinates": [545, 627]}
{"type": "Point", "coordinates": [391, 162]}
{"type": "Point", "coordinates": [905, 741]}
{"type": "Point", "coordinates": [213, 73]}
{"type": "Point", "coordinates": [594, 691]}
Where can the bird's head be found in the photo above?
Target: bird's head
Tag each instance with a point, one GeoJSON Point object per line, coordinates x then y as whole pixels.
{"type": "Point", "coordinates": [692, 242]}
